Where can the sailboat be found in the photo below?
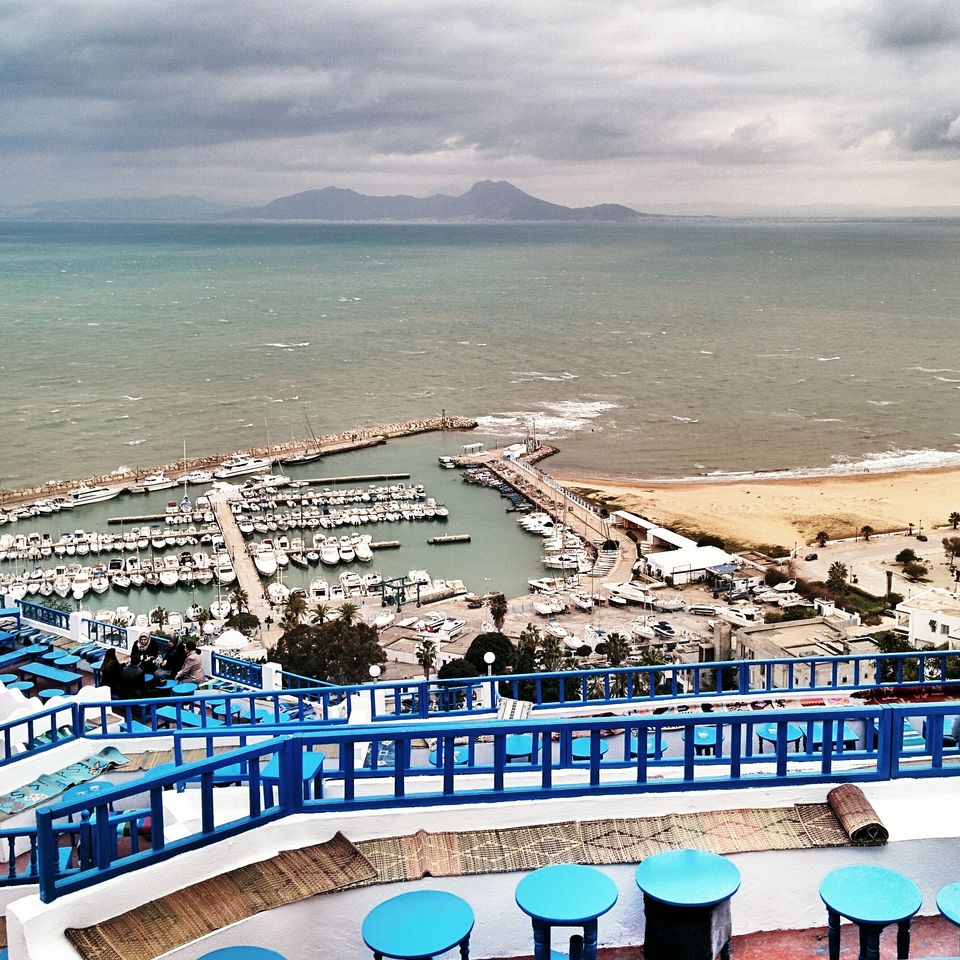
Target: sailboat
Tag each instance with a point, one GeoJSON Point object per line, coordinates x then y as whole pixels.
{"type": "Point", "coordinates": [313, 451]}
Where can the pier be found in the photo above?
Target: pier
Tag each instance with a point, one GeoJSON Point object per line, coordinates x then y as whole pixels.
{"type": "Point", "coordinates": [359, 478]}
{"type": "Point", "coordinates": [247, 577]}
{"type": "Point", "coordinates": [451, 538]}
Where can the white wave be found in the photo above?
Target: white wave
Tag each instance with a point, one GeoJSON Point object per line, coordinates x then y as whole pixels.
{"type": "Point", "coordinates": [882, 403]}
{"type": "Point", "coordinates": [887, 461]}
{"type": "Point", "coordinates": [288, 346]}
{"type": "Point", "coordinates": [684, 419]}
{"type": "Point", "coordinates": [935, 369]}
{"type": "Point", "coordinates": [707, 353]}
{"type": "Point", "coordinates": [947, 379]}
{"type": "Point", "coordinates": [827, 420]}
{"type": "Point", "coordinates": [135, 443]}
{"type": "Point", "coordinates": [126, 397]}
{"type": "Point", "coordinates": [93, 324]}
{"type": "Point", "coordinates": [826, 359]}
{"type": "Point", "coordinates": [554, 421]}
{"type": "Point", "coordinates": [125, 416]}
{"type": "Point", "coordinates": [528, 376]}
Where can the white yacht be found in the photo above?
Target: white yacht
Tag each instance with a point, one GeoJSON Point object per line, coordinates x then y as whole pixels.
{"type": "Point", "coordinates": [197, 477]}
{"type": "Point", "coordinates": [237, 466]}
{"type": "Point", "coordinates": [362, 549]}
{"type": "Point", "coordinates": [84, 494]}
{"type": "Point", "coordinates": [330, 552]}
{"type": "Point", "coordinates": [266, 562]}
{"type": "Point", "coordinates": [319, 590]}
{"type": "Point", "coordinates": [157, 481]}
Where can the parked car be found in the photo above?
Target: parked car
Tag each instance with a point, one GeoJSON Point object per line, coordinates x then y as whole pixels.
{"type": "Point", "coordinates": [810, 556]}
{"type": "Point", "coordinates": [922, 537]}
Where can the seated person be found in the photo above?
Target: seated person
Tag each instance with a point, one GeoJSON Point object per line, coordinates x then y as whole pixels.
{"type": "Point", "coordinates": [172, 661]}
{"type": "Point", "coordinates": [192, 669]}
{"type": "Point", "coordinates": [131, 684]}
{"type": "Point", "coordinates": [144, 653]}
{"type": "Point", "coordinates": [110, 670]}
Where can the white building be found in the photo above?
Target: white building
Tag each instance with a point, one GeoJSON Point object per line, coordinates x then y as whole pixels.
{"type": "Point", "coordinates": [688, 564]}
{"type": "Point", "coordinates": [931, 618]}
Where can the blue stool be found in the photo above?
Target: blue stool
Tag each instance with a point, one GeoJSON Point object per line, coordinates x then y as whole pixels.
{"type": "Point", "coordinates": [686, 899]}
{"type": "Point", "coordinates": [769, 733]}
{"type": "Point", "coordinates": [65, 660]}
{"type": "Point", "coordinates": [566, 895]}
{"type": "Point", "coordinates": [418, 925]}
{"type": "Point", "coordinates": [580, 749]}
{"type": "Point", "coordinates": [7, 678]}
{"type": "Point", "coordinates": [520, 745]}
{"type": "Point", "coordinates": [243, 953]}
{"type": "Point", "coordinates": [20, 685]}
{"type": "Point", "coordinates": [51, 693]}
{"type": "Point", "coordinates": [459, 757]}
{"type": "Point", "coordinates": [948, 902]}
{"type": "Point", "coordinates": [873, 898]}
{"type": "Point", "coordinates": [704, 739]}
{"type": "Point", "coordinates": [652, 753]}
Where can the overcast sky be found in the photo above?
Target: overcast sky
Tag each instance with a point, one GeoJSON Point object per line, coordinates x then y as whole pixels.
{"type": "Point", "coordinates": [646, 103]}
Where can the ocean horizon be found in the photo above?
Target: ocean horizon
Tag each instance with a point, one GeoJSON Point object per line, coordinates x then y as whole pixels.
{"type": "Point", "coordinates": [658, 349]}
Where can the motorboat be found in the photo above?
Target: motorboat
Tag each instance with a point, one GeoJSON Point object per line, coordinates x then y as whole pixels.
{"type": "Point", "coordinates": [418, 576]}
{"type": "Point", "coordinates": [642, 629]}
{"type": "Point", "coordinates": [278, 593]}
{"type": "Point", "coordinates": [664, 629]}
{"type": "Point", "coordinates": [330, 552]}
{"type": "Point", "coordinates": [266, 562]}
{"type": "Point", "coordinates": [384, 620]}
{"type": "Point", "coordinates": [788, 586]}
{"type": "Point", "coordinates": [223, 570]}
{"type": "Point", "coordinates": [663, 605]}
{"type": "Point", "coordinates": [81, 584]}
{"type": "Point", "coordinates": [196, 477]}
{"type": "Point", "coordinates": [351, 582]}
{"type": "Point", "coordinates": [237, 466]}
{"type": "Point", "coordinates": [555, 629]}
{"type": "Point", "coordinates": [319, 590]}
{"type": "Point", "coordinates": [549, 606]}
{"type": "Point", "coordinates": [582, 601]}
{"type": "Point", "coordinates": [83, 494]}
{"type": "Point", "coordinates": [372, 581]}
{"type": "Point", "coordinates": [362, 549]}
{"type": "Point", "coordinates": [157, 481]}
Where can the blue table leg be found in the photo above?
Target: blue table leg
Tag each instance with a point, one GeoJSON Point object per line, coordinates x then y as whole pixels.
{"type": "Point", "coordinates": [870, 941]}
{"type": "Point", "coordinates": [903, 939]}
{"type": "Point", "coordinates": [833, 935]}
{"type": "Point", "coordinates": [725, 951]}
{"type": "Point", "coordinates": [465, 949]}
{"type": "Point", "coordinates": [589, 940]}
{"type": "Point", "coordinates": [541, 940]}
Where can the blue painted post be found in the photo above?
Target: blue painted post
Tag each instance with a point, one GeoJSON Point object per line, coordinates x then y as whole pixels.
{"type": "Point", "coordinates": [736, 746]}
{"type": "Point", "coordinates": [47, 855]}
{"type": "Point", "coordinates": [290, 750]}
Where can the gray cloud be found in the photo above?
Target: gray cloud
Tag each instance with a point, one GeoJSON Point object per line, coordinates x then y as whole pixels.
{"type": "Point", "coordinates": [252, 99]}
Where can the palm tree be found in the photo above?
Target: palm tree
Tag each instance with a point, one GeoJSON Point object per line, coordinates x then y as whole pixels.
{"type": "Point", "coordinates": [866, 530]}
{"type": "Point", "coordinates": [427, 656]}
{"type": "Point", "coordinates": [837, 576]}
{"type": "Point", "coordinates": [240, 600]}
{"type": "Point", "coordinates": [295, 608]}
{"type": "Point", "coordinates": [498, 609]}
{"type": "Point", "coordinates": [618, 649]}
{"type": "Point", "coordinates": [321, 613]}
{"type": "Point", "coordinates": [348, 613]}
{"type": "Point", "coordinates": [822, 538]}
{"type": "Point", "coordinates": [954, 519]}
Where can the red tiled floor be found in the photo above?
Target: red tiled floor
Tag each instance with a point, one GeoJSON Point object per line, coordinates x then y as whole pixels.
{"type": "Point", "coordinates": [930, 937]}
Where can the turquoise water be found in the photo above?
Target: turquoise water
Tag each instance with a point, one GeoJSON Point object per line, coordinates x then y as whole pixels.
{"type": "Point", "coordinates": [668, 348]}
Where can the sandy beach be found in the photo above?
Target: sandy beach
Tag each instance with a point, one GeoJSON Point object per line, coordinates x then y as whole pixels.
{"type": "Point", "coordinates": [788, 511]}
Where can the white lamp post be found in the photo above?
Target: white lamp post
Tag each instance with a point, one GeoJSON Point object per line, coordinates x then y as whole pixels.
{"type": "Point", "coordinates": [488, 658]}
{"type": "Point", "coordinates": [374, 672]}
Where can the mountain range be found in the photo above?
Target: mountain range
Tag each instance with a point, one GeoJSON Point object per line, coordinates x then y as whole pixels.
{"type": "Point", "coordinates": [484, 201]}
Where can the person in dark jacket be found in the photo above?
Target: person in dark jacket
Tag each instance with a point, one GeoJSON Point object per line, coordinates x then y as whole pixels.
{"type": "Point", "coordinates": [172, 662]}
{"type": "Point", "coordinates": [144, 653]}
{"type": "Point", "coordinates": [110, 671]}
{"type": "Point", "coordinates": [131, 684]}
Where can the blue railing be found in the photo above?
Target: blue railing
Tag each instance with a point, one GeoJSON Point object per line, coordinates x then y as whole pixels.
{"type": "Point", "coordinates": [295, 681]}
{"type": "Point", "coordinates": [45, 615]}
{"type": "Point", "coordinates": [474, 762]}
{"type": "Point", "coordinates": [16, 843]}
{"type": "Point", "coordinates": [240, 671]}
{"type": "Point", "coordinates": [40, 731]}
{"type": "Point", "coordinates": [106, 633]}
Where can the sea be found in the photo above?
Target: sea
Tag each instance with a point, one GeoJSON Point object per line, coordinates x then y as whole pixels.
{"type": "Point", "coordinates": [667, 348]}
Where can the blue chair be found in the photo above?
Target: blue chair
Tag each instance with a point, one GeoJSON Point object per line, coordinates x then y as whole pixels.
{"type": "Point", "coordinates": [873, 898]}
{"type": "Point", "coordinates": [418, 925]}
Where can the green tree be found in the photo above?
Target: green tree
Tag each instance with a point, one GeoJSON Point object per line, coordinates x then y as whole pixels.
{"type": "Point", "coordinates": [457, 669]}
{"type": "Point", "coordinates": [240, 600]}
{"type": "Point", "coordinates": [427, 656]}
{"type": "Point", "coordinates": [246, 623]}
{"type": "Point", "coordinates": [822, 538]}
{"type": "Point", "coordinates": [501, 648]}
{"type": "Point", "coordinates": [349, 613]}
{"type": "Point", "coordinates": [905, 556]}
{"type": "Point", "coordinates": [837, 577]}
{"type": "Point", "coordinates": [294, 609]}
{"type": "Point", "coordinates": [867, 531]}
{"type": "Point", "coordinates": [339, 651]}
{"type": "Point", "coordinates": [551, 654]}
{"type": "Point", "coordinates": [498, 609]}
{"type": "Point", "coordinates": [914, 571]}
{"type": "Point", "coordinates": [320, 613]}
{"type": "Point", "coordinates": [618, 649]}
{"type": "Point", "coordinates": [954, 519]}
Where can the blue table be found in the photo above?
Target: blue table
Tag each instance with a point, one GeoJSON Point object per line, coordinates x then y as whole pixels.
{"type": "Point", "coordinates": [312, 774]}
{"type": "Point", "coordinates": [417, 925]}
{"type": "Point", "coordinates": [34, 650]}
{"type": "Point", "coordinates": [51, 655]}
{"type": "Point", "coordinates": [704, 739]}
{"type": "Point", "coordinates": [65, 660]}
{"type": "Point", "coordinates": [459, 757]}
{"type": "Point", "coordinates": [768, 733]}
{"type": "Point", "coordinates": [566, 895]}
{"type": "Point", "coordinates": [873, 898]}
{"type": "Point", "coordinates": [50, 693]}
{"type": "Point", "coordinates": [66, 678]}
{"type": "Point", "coordinates": [183, 689]}
{"type": "Point", "coordinates": [686, 897]}
{"type": "Point", "coordinates": [580, 749]}
{"type": "Point", "coordinates": [8, 678]}
{"type": "Point", "coordinates": [20, 685]}
{"type": "Point", "coordinates": [840, 730]}
{"type": "Point", "coordinates": [243, 953]}
{"type": "Point", "coordinates": [520, 745]}
{"type": "Point", "coordinates": [948, 902]}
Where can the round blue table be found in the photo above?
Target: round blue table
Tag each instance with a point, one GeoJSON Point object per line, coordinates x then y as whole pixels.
{"type": "Point", "coordinates": [948, 902]}
{"type": "Point", "coordinates": [20, 685]}
{"type": "Point", "coordinates": [580, 749]}
{"type": "Point", "coordinates": [565, 895]}
{"type": "Point", "coordinates": [233, 707]}
{"type": "Point", "coordinates": [50, 693]}
{"type": "Point", "coordinates": [520, 745]}
{"type": "Point", "coordinates": [7, 678]}
{"type": "Point", "coordinates": [873, 898]}
{"type": "Point", "coordinates": [51, 655]}
{"type": "Point", "coordinates": [420, 924]}
{"type": "Point", "coordinates": [243, 953]}
{"type": "Point", "coordinates": [183, 689]}
{"type": "Point", "coordinates": [34, 650]}
{"type": "Point", "coordinates": [686, 896]}
{"type": "Point", "coordinates": [459, 757]}
{"type": "Point", "coordinates": [704, 739]}
{"type": "Point", "coordinates": [768, 732]}
{"type": "Point", "coordinates": [65, 660]}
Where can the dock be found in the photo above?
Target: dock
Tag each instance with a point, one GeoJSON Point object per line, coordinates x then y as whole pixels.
{"type": "Point", "coordinates": [451, 538]}
{"type": "Point", "coordinates": [140, 518]}
{"type": "Point", "coordinates": [247, 577]}
{"type": "Point", "coordinates": [359, 478]}
{"type": "Point", "coordinates": [385, 545]}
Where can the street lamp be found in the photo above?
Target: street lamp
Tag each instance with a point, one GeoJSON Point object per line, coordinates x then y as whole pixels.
{"type": "Point", "coordinates": [374, 672]}
{"type": "Point", "coordinates": [488, 658]}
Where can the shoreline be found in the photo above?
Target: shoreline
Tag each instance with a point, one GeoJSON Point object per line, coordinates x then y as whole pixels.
{"type": "Point", "coordinates": [334, 443]}
{"type": "Point", "coordinates": [784, 511]}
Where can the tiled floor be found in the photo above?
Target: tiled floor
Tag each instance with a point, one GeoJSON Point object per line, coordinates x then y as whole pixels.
{"type": "Point", "coordinates": [930, 937]}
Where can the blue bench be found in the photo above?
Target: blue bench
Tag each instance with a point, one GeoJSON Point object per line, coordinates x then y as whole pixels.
{"type": "Point", "coordinates": [13, 658]}
{"type": "Point", "coordinates": [188, 718]}
{"type": "Point", "coordinates": [65, 678]}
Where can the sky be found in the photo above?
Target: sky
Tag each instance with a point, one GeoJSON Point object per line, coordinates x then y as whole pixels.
{"type": "Point", "coordinates": [650, 103]}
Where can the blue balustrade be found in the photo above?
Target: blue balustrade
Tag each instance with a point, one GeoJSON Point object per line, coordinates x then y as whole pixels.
{"type": "Point", "coordinates": [45, 615]}
{"type": "Point", "coordinates": [40, 731]}
{"type": "Point", "coordinates": [17, 843]}
{"type": "Point", "coordinates": [240, 671]}
{"type": "Point", "coordinates": [107, 633]}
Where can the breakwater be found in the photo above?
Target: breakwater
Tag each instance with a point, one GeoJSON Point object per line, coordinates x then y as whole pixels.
{"type": "Point", "coordinates": [330, 444]}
